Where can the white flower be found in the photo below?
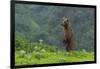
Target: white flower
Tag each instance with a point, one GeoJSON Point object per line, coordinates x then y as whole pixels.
{"type": "Point", "coordinates": [40, 40]}
{"type": "Point", "coordinates": [22, 51]}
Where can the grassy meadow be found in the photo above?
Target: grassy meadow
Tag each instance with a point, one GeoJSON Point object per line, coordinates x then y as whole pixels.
{"type": "Point", "coordinates": [42, 53]}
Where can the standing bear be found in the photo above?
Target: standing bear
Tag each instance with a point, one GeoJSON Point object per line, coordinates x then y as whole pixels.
{"type": "Point", "coordinates": [69, 40]}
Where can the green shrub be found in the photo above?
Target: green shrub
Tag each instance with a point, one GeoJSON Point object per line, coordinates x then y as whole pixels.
{"type": "Point", "coordinates": [42, 53]}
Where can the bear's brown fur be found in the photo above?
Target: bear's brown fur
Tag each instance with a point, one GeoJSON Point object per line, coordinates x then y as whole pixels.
{"type": "Point", "coordinates": [68, 41]}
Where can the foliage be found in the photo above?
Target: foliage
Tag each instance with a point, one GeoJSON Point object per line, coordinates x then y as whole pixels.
{"type": "Point", "coordinates": [39, 34]}
{"type": "Point", "coordinates": [42, 53]}
{"type": "Point", "coordinates": [48, 57]}
{"type": "Point", "coordinates": [35, 22]}
{"type": "Point", "coordinates": [23, 44]}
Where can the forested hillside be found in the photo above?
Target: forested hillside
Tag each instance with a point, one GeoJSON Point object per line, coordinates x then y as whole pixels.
{"type": "Point", "coordinates": [39, 33]}
{"type": "Point", "coordinates": [35, 22]}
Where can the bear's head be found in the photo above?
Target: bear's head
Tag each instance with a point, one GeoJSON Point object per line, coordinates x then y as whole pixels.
{"type": "Point", "coordinates": [65, 23]}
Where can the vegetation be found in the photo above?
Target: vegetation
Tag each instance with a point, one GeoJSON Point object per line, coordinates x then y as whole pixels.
{"type": "Point", "coordinates": [35, 22]}
{"type": "Point", "coordinates": [42, 53]}
{"type": "Point", "coordinates": [39, 34]}
{"type": "Point", "coordinates": [52, 57]}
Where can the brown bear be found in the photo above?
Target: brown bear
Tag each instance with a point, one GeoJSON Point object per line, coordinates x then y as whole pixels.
{"type": "Point", "coordinates": [68, 41]}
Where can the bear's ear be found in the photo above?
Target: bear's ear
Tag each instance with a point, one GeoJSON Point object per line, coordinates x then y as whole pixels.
{"type": "Point", "coordinates": [66, 17]}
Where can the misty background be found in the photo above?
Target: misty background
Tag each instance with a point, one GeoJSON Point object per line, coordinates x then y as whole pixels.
{"type": "Point", "coordinates": [35, 22]}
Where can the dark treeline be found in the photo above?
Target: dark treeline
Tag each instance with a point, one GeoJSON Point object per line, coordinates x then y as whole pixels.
{"type": "Point", "coordinates": [35, 22]}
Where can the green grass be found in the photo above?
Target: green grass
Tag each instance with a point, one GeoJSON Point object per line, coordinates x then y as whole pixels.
{"type": "Point", "coordinates": [53, 57]}
{"type": "Point", "coordinates": [43, 53]}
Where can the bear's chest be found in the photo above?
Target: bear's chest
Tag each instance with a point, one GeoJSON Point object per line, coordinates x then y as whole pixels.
{"type": "Point", "coordinates": [67, 33]}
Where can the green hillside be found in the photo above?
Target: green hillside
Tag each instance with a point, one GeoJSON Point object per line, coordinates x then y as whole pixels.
{"type": "Point", "coordinates": [36, 22]}
{"type": "Point", "coordinates": [39, 34]}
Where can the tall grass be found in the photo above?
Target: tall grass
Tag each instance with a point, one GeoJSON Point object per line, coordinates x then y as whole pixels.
{"type": "Point", "coordinates": [46, 54]}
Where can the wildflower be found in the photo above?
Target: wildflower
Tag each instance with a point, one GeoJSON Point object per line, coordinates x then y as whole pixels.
{"type": "Point", "coordinates": [40, 41]}
{"type": "Point", "coordinates": [22, 51]}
